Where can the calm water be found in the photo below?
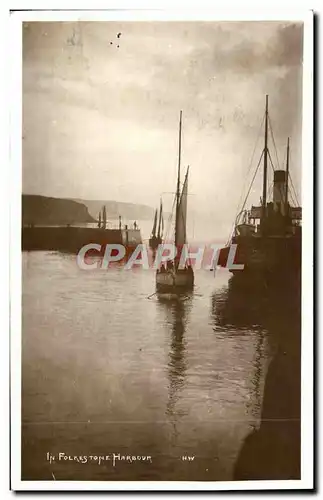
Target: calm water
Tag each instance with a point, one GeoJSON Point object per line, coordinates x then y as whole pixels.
{"type": "Point", "coordinates": [110, 368]}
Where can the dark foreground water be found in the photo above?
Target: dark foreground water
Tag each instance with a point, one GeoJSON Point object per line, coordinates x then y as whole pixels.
{"type": "Point", "coordinates": [110, 371]}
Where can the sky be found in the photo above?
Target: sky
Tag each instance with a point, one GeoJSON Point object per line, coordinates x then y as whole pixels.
{"type": "Point", "coordinates": [101, 112]}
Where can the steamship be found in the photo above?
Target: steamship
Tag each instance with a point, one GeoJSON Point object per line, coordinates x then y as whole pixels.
{"type": "Point", "coordinates": [268, 236]}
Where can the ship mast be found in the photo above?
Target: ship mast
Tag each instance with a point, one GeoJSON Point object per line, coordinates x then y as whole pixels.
{"type": "Point", "coordinates": [153, 233]}
{"type": "Point", "coordinates": [160, 219]}
{"type": "Point", "coordinates": [286, 182]}
{"type": "Point", "coordinates": [178, 175]}
{"type": "Point", "coordinates": [104, 217]}
{"type": "Point", "coordinates": [264, 189]}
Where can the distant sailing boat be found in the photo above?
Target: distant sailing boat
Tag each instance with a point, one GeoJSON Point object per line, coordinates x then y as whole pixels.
{"type": "Point", "coordinates": [156, 240]}
{"type": "Point", "coordinates": [102, 222]}
{"type": "Point", "coordinates": [172, 277]}
{"type": "Point", "coordinates": [104, 218]}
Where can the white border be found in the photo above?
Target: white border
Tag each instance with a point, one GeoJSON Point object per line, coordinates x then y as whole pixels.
{"type": "Point", "coordinates": [15, 147]}
{"type": "Point", "coordinates": [117, 14]}
{"type": "Point", "coordinates": [4, 271]}
{"type": "Point", "coordinates": [16, 19]}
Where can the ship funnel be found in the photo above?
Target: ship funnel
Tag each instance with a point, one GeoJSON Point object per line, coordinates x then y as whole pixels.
{"type": "Point", "coordinates": [279, 190]}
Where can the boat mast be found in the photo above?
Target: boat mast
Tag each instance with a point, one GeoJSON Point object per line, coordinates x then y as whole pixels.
{"type": "Point", "coordinates": [286, 182]}
{"type": "Point", "coordinates": [264, 189]}
{"type": "Point", "coordinates": [160, 218]}
{"type": "Point", "coordinates": [153, 233]}
{"type": "Point", "coordinates": [178, 175]}
{"type": "Point", "coordinates": [104, 217]}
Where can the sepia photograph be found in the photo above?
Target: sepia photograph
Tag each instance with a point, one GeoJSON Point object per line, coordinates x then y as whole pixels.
{"type": "Point", "coordinates": [162, 206]}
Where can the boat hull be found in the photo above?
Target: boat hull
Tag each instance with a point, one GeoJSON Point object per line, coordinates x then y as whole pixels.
{"type": "Point", "coordinates": [270, 255]}
{"type": "Point", "coordinates": [170, 280]}
{"type": "Point", "coordinates": [154, 242]}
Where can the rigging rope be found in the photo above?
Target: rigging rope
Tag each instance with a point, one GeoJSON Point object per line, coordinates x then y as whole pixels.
{"type": "Point", "coordinates": [272, 167]}
{"type": "Point", "coordinates": [249, 168]}
{"type": "Point", "coordinates": [289, 189]}
{"type": "Point", "coordinates": [273, 139]}
{"type": "Point", "coordinates": [270, 190]}
{"type": "Point", "coordinates": [292, 197]}
{"type": "Point", "coordinates": [250, 164]}
{"type": "Point", "coordinates": [271, 161]}
{"type": "Point", "coordinates": [291, 181]}
{"type": "Point", "coordinates": [245, 201]}
{"type": "Point", "coordinates": [285, 160]}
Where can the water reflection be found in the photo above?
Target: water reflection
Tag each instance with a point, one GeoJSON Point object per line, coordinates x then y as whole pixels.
{"type": "Point", "coordinates": [176, 308]}
{"type": "Point", "coordinates": [163, 377]}
{"type": "Point", "coordinates": [251, 304]}
{"type": "Point", "coordinates": [240, 305]}
{"type": "Point", "coordinates": [236, 310]}
{"type": "Point", "coordinates": [273, 314]}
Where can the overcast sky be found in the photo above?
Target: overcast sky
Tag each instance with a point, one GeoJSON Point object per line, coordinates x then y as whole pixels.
{"type": "Point", "coordinates": [101, 121]}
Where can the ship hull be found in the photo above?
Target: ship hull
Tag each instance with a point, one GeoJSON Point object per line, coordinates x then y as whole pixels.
{"type": "Point", "coordinates": [154, 242]}
{"type": "Point", "coordinates": [171, 280]}
{"type": "Point", "coordinates": [269, 255]}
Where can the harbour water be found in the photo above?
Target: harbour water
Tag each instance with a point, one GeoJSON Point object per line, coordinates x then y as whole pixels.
{"type": "Point", "coordinates": [109, 368]}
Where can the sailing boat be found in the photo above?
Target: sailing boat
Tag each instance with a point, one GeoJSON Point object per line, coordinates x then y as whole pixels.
{"type": "Point", "coordinates": [268, 237]}
{"type": "Point", "coordinates": [104, 218]}
{"type": "Point", "coordinates": [156, 240]}
{"type": "Point", "coordinates": [173, 277]}
{"type": "Point", "coordinates": [102, 222]}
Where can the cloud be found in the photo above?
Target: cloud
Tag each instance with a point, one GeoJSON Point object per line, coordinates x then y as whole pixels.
{"type": "Point", "coordinates": [87, 103]}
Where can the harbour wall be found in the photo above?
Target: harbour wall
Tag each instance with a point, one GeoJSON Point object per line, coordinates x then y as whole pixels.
{"type": "Point", "coordinates": [71, 239]}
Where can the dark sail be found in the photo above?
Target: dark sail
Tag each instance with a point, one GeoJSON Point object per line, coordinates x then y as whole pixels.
{"type": "Point", "coordinates": [160, 222]}
{"type": "Point", "coordinates": [104, 217]}
{"type": "Point", "coordinates": [182, 213]}
{"type": "Point", "coordinates": [153, 233]}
